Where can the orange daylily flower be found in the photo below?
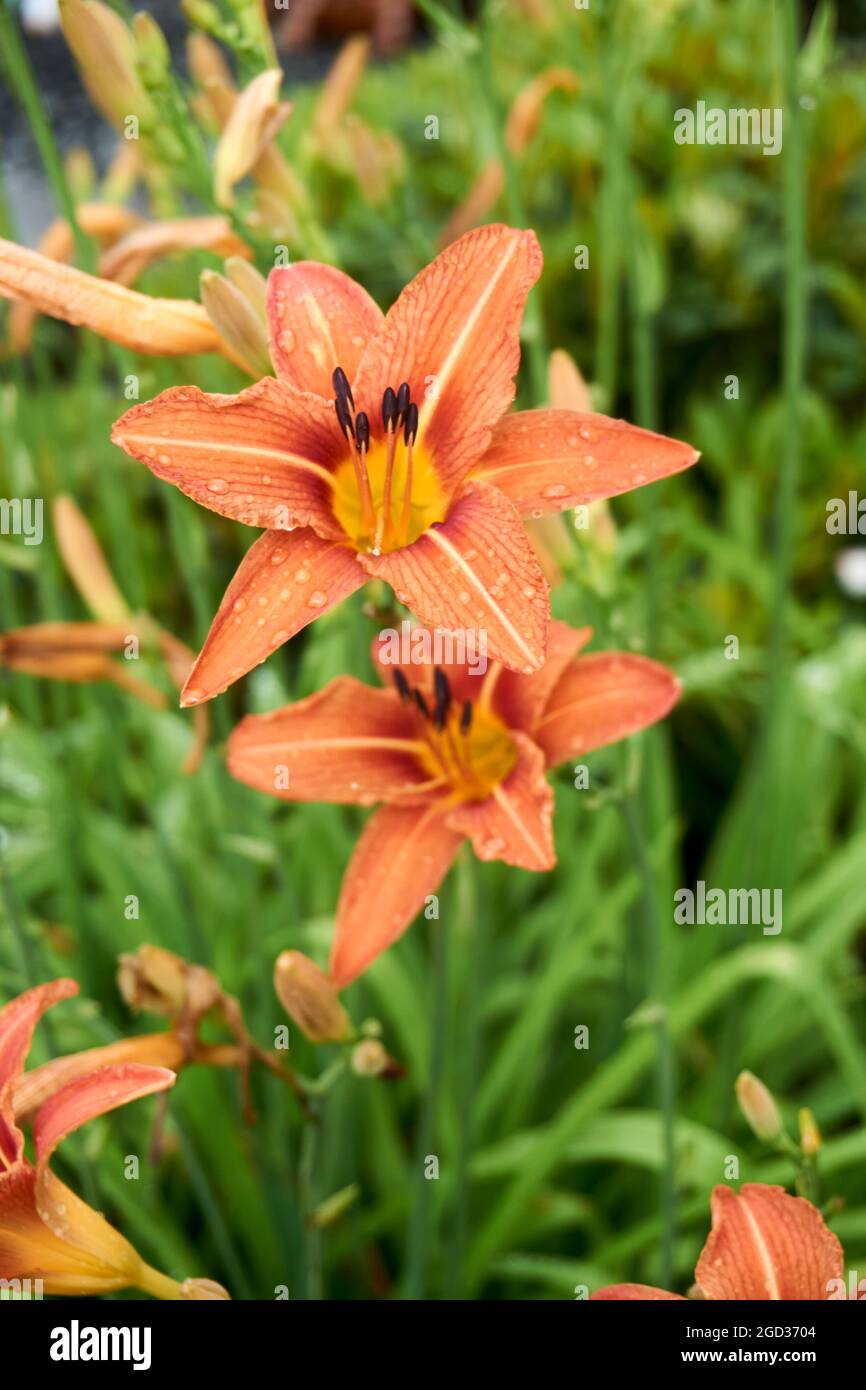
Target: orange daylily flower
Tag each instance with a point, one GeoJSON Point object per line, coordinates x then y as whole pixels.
{"type": "Point", "coordinates": [411, 474]}
{"type": "Point", "coordinates": [46, 1231]}
{"type": "Point", "coordinates": [452, 754]}
{"type": "Point", "coordinates": [764, 1244]}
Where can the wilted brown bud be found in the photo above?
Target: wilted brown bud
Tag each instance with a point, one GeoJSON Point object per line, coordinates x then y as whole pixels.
{"type": "Point", "coordinates": [156, 981]}
{"type": "Point", "coordinates": [759, 1108]}
{"type": "Point", "coordinates": [310, 998]}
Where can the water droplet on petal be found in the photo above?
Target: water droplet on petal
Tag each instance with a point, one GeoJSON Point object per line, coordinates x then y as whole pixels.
{"type": "Point", "coordinates": [217, 485]}
{"type": "Point", "coordinates": [317, 599]}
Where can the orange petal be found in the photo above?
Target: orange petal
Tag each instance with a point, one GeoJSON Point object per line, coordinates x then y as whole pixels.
{"type": "Point", "coordinates": [91, 1095]}
{"type": "Point", "coordinates": [401, 857]}
{"type": "Point", "coordinates": [453, 335]}
{"type": "Point", "coordinates": [166, 327]}
{"type": "Point", "coordinates": [476, 572]}
{"type": "Point", "coordinates": [347, 743]}
{"type": "Point", "coordinates": [17, 1023]}
{"type": "Point", "coordinates": [515, 823]}
{"type": "Point", "coordinates": [548, 460]}
{"type": "Point", "coordinates": [286, 579]}
{"type": "Point", "coordinates": [318, 319]}
{"type": "Point", "coordinates": [262, 457]}
{"type": "Point", "coordinates": [602, 698]}
{"type": "Point", "coordinates": [765, 1244]}
{"type": "Point", "coordinates": [520, 700]}
{"type": "Point", "coordinates": [632, 1292]}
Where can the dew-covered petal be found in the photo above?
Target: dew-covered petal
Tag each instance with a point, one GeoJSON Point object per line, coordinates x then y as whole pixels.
{"type": "Point", "coordinates": [548, 460]}
{"type": "Point", "coordinates": [453, 336]}
{"type": "Point", "coordinates": [347, 743]}
{"type": "Point", "coordinates": [285, 581]}
{"type": "Point", "coordinates": [264, 457]}
{"type": "Point", "coordinates": [600, 699]}
{"type": "Point", "coordinates": [475, 572]}
{"type": "Point", "coordinates": [402, 856]}
{"type": "Point", "coordinates": [318, 319]}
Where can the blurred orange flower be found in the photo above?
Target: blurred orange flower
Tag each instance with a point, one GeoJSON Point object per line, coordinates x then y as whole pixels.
{"type": "Point", "coordinates": [452, 754]}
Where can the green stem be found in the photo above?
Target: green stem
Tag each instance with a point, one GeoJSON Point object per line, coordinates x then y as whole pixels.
{"type": "Point", "coordinates": [474, 923]}
{"type": "Point", "coordinates": [420, 1222]}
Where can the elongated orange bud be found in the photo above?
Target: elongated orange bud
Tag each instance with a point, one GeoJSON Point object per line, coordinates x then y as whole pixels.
{"type": "Point", "coordinates": [482, 196]}
{"type": "Point", "coordinates": [255, 118]}
{"type": "Point", "coordinates": [338, 90]}
{"type": "Point", "coordinates": [164, 327]}
{"type": "Point", "coordinates": [127, 258]}
{"type": "Point", "coordinates": [525, 114]}
{"type": "Point", "coordinates": [566, 387]}
{"type": "Point", "coordinates": [104, 51]}
{"type": "Point", "coordinates": [85, 563]}
{"type": "Point", "coordinates": [310, 998]}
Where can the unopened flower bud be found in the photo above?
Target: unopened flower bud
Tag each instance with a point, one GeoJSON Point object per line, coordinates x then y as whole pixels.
{"type": "Point", "coordinates": [238, 323]}
{"type": "Point", "coordinates": [310, 998]}
{"type": "Point", "coordinates": [199, 1290]}
{"type": "Point", "coordinates": [810, 1134]}
{"type": "Point", "coordinates": [369, 1058]}
{"type": "Point", "coordinates": [759, 1108]}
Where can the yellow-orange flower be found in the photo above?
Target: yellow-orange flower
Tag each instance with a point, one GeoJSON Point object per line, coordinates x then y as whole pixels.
{"type": "Point", "coordinates": [47, 1233]}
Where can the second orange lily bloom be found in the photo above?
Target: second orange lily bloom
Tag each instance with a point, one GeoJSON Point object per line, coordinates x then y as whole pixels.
{"type": "Point", "coordinates": [452, 755]}
{"type": "Point", "coordinates": [383, 450]}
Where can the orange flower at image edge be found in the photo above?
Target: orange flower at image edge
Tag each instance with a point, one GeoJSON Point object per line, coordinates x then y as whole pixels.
{"type": "Point", "coordinates": [46, 1232]}
{"type": "Point", "coordinates": [452, 754]}
{"type": "Point", "coordinates": [764, 1244]}
{"type": "Point", "coordinates": [382, 450]}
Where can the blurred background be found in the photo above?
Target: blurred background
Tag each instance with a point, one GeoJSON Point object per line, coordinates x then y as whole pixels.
{"type": "Point", "coordinates": [713, 292]}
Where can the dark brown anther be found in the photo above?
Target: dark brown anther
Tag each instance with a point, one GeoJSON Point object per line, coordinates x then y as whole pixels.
{"type": "Point", "coordinates": [443, 697]}
{"type": "Point", "coordinates": [362, 429]}
{"type": "Point", "coordinates": [389, 408]}
{"type": "Point", "coordinates": [402, 400]}
{"type": "Point", "coordinates": [403, 689]}
{"type": "Point", "coordinates": [466, 717]}
{"type": "Point", "coordinates": [341, 385]}
{"type": "Point", "coordinates": [344, 416]}
{"type": "Point", "coordinates": [421, 703]}
{"type": "Point", "coordinates": [410, 429]}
